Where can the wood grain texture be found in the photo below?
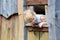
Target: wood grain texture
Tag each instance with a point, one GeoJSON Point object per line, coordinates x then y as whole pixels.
{"type": "Point", "coordinates": [21, 20]}
{"type": "Point", "coordinates": [9, 28]}
{"type": "Point", "coordinates": [13, 27]}
{"type": "Point", "coordinates": [38, 35]}
{"type": "Point", "coordinates": [37, 2]}
{"type": "Point", "coordinates": [46, 9]}
{"type": "Point", "coordinates": [4, 29]}
{"type": "Point", "coordinates": [0, 26]}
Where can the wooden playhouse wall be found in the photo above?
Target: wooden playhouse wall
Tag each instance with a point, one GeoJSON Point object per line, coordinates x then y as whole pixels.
{"type": "Point", "coordinates": [9, 28]}
{"type": "Point", "coordinates": [38, 36]}
{"type": "Point", "coordinates": [12, 28]}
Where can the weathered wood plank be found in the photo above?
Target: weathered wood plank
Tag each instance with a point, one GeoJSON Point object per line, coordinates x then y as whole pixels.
{"type": "Point", "coordinates": [37, 2]}
{"type": "Point", "coordinates": [38, 35]}
{"type": "Point", "coordinates": [9, 28]}
{"type": "Point", "coordinates": [46, 9]}
{"type": "Point", "coordinates": [16, 28]}
{"type": "Point", "coordinates": [44, 36]}
{"type": "Point", "coordinates": [31, 35]}
{"type": "Point", "coordinates": [0, 26]}
{"type": "Point", "coordinates": [21, 20]}
{"type": "Point", "coordinates": [13, 28]}
{"type": "Point", "coordinates": [4, 29]}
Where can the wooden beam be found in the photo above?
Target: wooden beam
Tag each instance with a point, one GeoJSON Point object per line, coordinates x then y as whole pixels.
{"type": "Point", "coordinates": [4, 32]}
{"type": "Point", "coordinates": [37, 2]}
{"type": "Point", "coordinates": [0, 26]}
{"type": "Point", "coordinates": [21, 20]}
{"type": "Point", "coordinates": [46, 9]}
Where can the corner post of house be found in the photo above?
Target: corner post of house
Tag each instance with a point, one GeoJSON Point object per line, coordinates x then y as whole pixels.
{"type": "Point", "coordinates": [21, 20]}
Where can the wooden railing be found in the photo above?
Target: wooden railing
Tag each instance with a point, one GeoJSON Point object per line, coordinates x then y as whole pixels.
{"type": "Point", "coordinates": [36, 28]}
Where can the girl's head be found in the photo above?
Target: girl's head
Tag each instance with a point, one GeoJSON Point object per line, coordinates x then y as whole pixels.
{"type": "Point", "coordinates": [43, 18]}
{"type": "Point", "coordinates": [28, 16]}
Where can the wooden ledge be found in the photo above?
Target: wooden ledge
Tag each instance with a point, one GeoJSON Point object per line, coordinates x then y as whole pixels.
{"type": "Point", "coordinates": [37, 29]}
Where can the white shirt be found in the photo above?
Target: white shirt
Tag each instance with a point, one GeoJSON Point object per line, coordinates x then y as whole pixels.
{"type": "Point", "coordinates": [38, 18]}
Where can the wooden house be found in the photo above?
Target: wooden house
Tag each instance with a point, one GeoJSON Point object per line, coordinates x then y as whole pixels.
{"type": "Point", "coordinates": [40, 7]}
{"type": "Point", "coordinates": [12, 22]}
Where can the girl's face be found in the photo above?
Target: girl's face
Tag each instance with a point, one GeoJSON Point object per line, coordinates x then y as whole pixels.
{"type": "Point", "coordinates": [43, 18]}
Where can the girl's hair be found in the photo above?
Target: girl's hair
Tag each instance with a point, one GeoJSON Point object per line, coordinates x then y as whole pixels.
{"type": "Point", "coordinates": [43, 18]}
{"type": "Point", "coordinates": [29, 15]}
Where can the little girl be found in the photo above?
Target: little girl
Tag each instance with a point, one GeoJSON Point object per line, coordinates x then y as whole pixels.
{"type": "Point", "coordinates": [30, 17]}
{"type": "Point", "coordinates": [43, 21]}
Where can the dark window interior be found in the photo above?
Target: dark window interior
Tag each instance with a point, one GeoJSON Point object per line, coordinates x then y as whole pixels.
{"type": "Point", "coordinates": [39, 9]}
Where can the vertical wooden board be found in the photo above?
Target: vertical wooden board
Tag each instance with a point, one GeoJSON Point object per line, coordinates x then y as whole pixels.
{"type": "Point", "coordinates": [41, 36]}
{"type": "Point", "coordinates": [10, 29]}
{"type": "Point", "coordinates": [9, 25]}
{"type": "Point", "coordinates": [46, 9]}
{"type": "Point", "coordinates": [31, 35]}
{"type": "Point", "coordinates": [16, 28]}
{"type": "Point", "coordinates": [21, 20]}
{"type": "Point", "coordinates": [0, 26]}
{"type": "Point", "coordinates": [4, 29]}
{"type": "Point", "coordinates": [21, 28]}
{"type": "Point", "coordinates": [44, 36]}
{"type": "Point", "coordinates": [13, 27]}
{"type": "Point", "coordinates": [36, 35]}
